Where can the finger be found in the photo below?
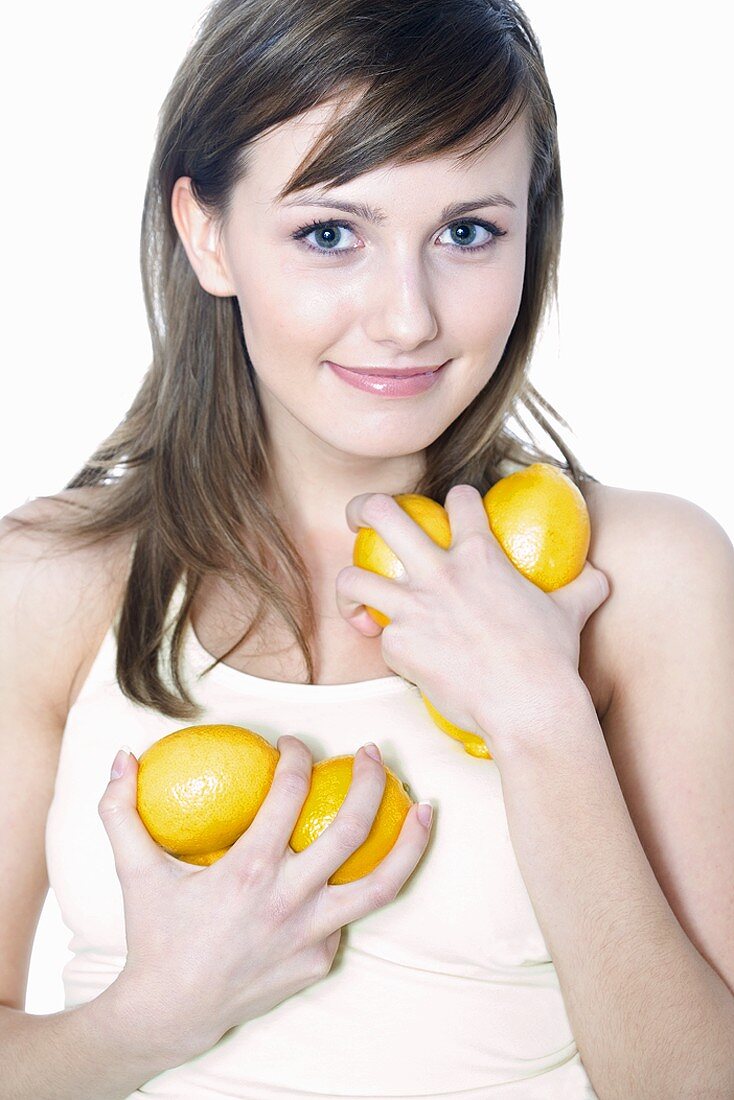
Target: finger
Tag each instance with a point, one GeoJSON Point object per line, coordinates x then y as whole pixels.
{"type": "Point", "coordinates": [415, 549]}
{"type": "Point", "coordinates": [348, 830]}
{"type": "Point", "coordinates": [358, 588]}
{"type": "Point", "coordinates": [270, 831]}
{"type": "Point", "coordinates": [338, 905]}
{"type": "Point", "coordinates": [581, 596]}
{"type": "Point", "coordinates": [467, 515]}
{"type": "Point", "coordinates": [133, 847]}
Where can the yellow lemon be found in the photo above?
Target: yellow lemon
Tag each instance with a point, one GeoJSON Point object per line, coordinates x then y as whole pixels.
{"type": "Point", "coordinates": [200, 788]}
{"type": "Point", "coordinates": [330, 780]}
{"type": "Point", "coordinates": [473, 744]}
{"type": "Point", "coordinates": [540, 518]}
{"type": "Point", "coordinates": [372, 552]}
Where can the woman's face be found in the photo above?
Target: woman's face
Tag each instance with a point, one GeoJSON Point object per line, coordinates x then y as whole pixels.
{"type": "Point", "coordinates": [413, 289]}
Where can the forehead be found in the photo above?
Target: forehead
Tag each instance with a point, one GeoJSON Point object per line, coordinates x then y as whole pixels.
{"type": "Point", "coordinates": [504, 166]}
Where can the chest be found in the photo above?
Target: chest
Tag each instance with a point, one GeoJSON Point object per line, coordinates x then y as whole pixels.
{"type": "Point", "coordinates": [342, 655]}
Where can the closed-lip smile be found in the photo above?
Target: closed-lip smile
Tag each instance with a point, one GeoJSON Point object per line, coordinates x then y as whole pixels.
{"type": "Point", "coordinates": [387, 372]}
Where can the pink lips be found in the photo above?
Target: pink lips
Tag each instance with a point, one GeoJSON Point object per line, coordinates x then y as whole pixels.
{"type": "Point", "coordinates": [385, 372]}
{"type": "Point", "coordinates": [381, 381]}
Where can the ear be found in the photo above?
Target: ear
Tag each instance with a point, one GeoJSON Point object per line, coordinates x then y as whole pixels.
{"type": "Point", "coordinates": [200, 238]}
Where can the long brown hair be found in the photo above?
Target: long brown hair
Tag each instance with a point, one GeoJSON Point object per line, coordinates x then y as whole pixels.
{"type": "Point", "coordinates": [184, 469]}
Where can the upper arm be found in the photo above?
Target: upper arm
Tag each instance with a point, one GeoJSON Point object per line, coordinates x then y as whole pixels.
{"type": "Point", "coordinates": [670, 724]}
{"type": "Point", "coordinates": [40, 650]}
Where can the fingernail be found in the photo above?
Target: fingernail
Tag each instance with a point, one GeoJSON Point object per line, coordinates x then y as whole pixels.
{"type": "Point", "coordinates": [425, 813]}
{"type": "Point", "coordinates": [120, 762]}
{"type": "Point", "coordinates": [372, 750]}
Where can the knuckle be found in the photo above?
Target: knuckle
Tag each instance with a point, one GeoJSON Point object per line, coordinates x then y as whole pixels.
{"type": "Point", "coordinates": [279, 906]}
{"type": "Point", "coordinates": [327, 957]}
{"type": "Point", "coordinates": [603, 583]}
{"type": "Point", "coordinates": [381, 892]}
{"type": "Point", "coordinates": [442, 570]}
{"type": "Point", "coordinates": [107, 807]}
{"type": "Point", "coordinates": [392, 641]}
{"type": "Point", "coordinates": [333, 940]}
{"type": "Point", "coordinates": [254, 870]}
{"type": "Point", "coordinates": [295, 754]}
{"type": "Point", "coordinates": [330, 947]}
{"type": "Point", "coordinates": [294, 783]}
{"type": "Point", "coordinates": [320, 963]}
{"type": "Point", "coordinates": [344, 581]}
{"type": "Point", "coordinates": [352, 828]}
{"type": "Point", "coordinates": [476, 552]}
{"type": "Point", "coordinates": [379, 506]}
{"type": "Point", "coordinates": [475, 543]}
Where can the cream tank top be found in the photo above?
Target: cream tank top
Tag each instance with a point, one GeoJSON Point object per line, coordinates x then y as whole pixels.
{"type": "Point", "coordinates": [447, 991]}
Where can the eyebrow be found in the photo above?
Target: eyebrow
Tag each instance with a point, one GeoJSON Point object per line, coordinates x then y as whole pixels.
{"type": "Point", "coordinates": [361, 210]}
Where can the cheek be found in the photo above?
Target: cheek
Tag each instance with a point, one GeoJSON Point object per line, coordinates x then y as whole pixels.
{"type": "Point", "coordinates": [484, 312]}
{"type": "Point", "coordinates": [285, 308]}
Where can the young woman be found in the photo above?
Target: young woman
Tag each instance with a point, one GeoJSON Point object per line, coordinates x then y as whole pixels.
{"type": "Point", "coordinates": [340, 186]}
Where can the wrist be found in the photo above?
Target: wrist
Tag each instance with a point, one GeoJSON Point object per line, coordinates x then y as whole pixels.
{"type": "Point", "coordinates": [142, 1022]}
{"type": "Point", "coordinates": [546, 717]}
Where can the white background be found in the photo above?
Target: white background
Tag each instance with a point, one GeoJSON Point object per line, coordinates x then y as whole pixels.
{"type": "Point", "coordinates": [637, 363]}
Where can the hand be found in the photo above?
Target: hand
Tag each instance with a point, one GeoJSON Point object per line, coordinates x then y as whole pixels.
{"type": "Point", "coordinates": [491, 650]}
{"type": "Point", "coordinates": [212, 947]}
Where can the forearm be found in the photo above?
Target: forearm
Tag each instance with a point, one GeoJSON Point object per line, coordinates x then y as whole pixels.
{"type": "Point", "coordinates": [102, 1050]}
{"type": "Point", "coordinates": [650, 1017]}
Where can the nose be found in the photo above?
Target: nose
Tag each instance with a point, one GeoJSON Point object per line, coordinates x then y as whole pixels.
{"type": "Point", "coordinates": [399, 306]}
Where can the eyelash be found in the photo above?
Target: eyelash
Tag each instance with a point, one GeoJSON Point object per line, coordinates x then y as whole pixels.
{"type": "Point", "coordinates": [305, 230]}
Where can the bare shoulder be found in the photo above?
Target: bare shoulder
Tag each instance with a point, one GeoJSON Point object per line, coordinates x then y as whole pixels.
{"type": "Point", "coordinates": [637, 537]}
{"type": "Point", "coordinates": [635, 532]}
{"type": "Point", "coordinates": [56, 599]}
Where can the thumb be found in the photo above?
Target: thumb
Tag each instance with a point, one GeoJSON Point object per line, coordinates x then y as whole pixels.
{"type": "Point", "coordinates": [133, 847]}
{"type": "Point", "coordinates": [581, 596]}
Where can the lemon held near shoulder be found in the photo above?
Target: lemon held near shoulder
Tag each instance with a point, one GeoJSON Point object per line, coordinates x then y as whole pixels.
{"type": "Point", "coordinates": [539, 517]}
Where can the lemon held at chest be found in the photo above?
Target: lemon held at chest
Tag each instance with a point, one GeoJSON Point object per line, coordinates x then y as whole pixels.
{"type": "Point", "coordinates": [200, 788]}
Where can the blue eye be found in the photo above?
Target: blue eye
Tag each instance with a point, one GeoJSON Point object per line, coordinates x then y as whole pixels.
{"type": "Point", "coordinates": [330, 228]}
{"type": "Point", "coordinates": [486, 226]}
